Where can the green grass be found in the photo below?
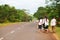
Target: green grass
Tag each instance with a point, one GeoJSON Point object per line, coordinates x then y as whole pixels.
{"type": "Point", "coordinates": [5, 24]}
{"type": "Point", "coordinates": [58, 31]}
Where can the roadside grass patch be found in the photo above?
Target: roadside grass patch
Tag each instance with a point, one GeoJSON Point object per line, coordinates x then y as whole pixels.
{"type": "Point", "coordinates": [5, 24]}
{"type": "Point", "coordinates": [58, 32]}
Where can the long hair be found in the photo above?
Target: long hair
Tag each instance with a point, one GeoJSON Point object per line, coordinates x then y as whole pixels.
{"type": "Point", "coordinates": [46, 18]}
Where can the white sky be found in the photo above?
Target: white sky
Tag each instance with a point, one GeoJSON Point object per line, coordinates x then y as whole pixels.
{"type": "Point", "coordinates": [30, 5]}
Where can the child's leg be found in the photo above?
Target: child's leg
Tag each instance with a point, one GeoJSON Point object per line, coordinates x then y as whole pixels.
{"type": "Point", "coordinates": [47, 28]}
{"type": "Point", "coordinates": [53, 28]}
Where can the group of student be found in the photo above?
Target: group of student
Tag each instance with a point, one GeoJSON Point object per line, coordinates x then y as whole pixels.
{"type": "Point", "coordinates": [43, 24]}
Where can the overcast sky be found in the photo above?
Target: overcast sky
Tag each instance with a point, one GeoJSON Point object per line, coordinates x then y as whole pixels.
{"type": "Point", "coordinates": [30, 5]}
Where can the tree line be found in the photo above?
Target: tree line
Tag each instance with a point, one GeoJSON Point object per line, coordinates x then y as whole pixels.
{"type": "Point", "coordinates": [50, 10]}
{"type": "Point", "coordinates": [11, 14]}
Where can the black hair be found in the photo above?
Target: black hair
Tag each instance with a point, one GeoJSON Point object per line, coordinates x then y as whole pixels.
{"type": "Point", "coordinates": [46, 18]}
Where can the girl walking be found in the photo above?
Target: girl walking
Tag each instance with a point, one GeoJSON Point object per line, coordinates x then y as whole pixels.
{"type": "Point", "coordinates": [40, 24]}
{"type": "Point", "coordinates": [46, 23]}
{"type": "Point", "coordinates": [53, 24]}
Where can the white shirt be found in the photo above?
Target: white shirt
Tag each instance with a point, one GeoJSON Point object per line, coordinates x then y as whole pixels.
{"type": "Point", "coordinates": [40, 21]}
{"type": "Point", "coordinates": [46, 22]}
{"type": "Point", "coordinates": [43, 20]}
{"type": "Point", "coordinates": [53, 22]}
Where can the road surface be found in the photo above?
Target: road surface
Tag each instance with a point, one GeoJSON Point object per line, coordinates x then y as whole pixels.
{"type": "Point", "coordinates": [23, 31]}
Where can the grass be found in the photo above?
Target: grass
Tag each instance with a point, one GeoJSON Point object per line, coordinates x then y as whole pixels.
{"type": "Point", "coordinates": [58, 32]}
{"type": "Point", "coordinates": [5, 24]}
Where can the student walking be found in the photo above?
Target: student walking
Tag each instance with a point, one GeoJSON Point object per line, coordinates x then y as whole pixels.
{"type": "Point", "coordinates": [46, 24]}
{"type": "Point", "coordinates": [53, 24]}
{"type": "Point", "coordinates": [43, 23]}
{"type": "Point", "coordinates": [40, 24]}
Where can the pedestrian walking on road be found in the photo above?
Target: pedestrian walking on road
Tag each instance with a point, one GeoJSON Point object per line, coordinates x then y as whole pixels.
{"type": "Point", "coordinates": [53, 24]}
{"type": "Point", "coordinates": [43, 23]}
{"type": "Point", "coordinates": [46, 24]}
{"type": "Point", "coordinates": [40, 24]}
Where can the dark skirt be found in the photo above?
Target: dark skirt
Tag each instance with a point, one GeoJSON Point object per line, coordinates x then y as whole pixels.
{"type": "Point", "coordinates": [46, 27]}
{"type": "Point", "coordinates": [39, 26]}
{"type": "Point", "coordinates": [43, 25]}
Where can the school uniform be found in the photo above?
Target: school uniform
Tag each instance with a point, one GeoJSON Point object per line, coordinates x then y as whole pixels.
{"type": "Point", "coordinates": [40, 24]}
{"type": "Point", "coordinates": [46, 24]}
{"type": "Point", "coordinates": [53, 22]}
{"type": "Point", "coordinates": [43, 23]}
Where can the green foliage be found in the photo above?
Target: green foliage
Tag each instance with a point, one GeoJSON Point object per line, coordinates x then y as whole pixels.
{"type": "Point", "coordinates": [11, 14]}
{"type": "Point", "coordinates": [51, 10]}
{"type": "Point", "coordinates": [41, 12]}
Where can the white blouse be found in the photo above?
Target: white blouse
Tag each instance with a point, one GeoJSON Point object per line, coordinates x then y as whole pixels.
{"type": "Point", "coordinates": [46, 22]}
{"type": "Point", "coordinates": [53, 22]}
{"type": "Point", "coordinates": [40, 21]}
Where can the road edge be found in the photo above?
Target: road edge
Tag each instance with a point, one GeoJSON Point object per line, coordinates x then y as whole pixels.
{"type": "Point", "coordinates": [54, 34]}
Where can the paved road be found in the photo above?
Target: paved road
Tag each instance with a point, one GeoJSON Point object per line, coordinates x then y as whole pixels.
{"type": "Point", "coordinates": [23, 31]}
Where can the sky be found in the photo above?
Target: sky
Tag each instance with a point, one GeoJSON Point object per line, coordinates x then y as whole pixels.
{"type": "Point", "coordinates": [30, 5]}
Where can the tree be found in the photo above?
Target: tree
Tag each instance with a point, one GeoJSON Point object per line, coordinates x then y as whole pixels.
{"type": "Point", "coordinates": [41, 12]}
{"type": "Point", "coordinates": [51, 10]}
{"type": "Point", "coordinates": [11, 14]}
